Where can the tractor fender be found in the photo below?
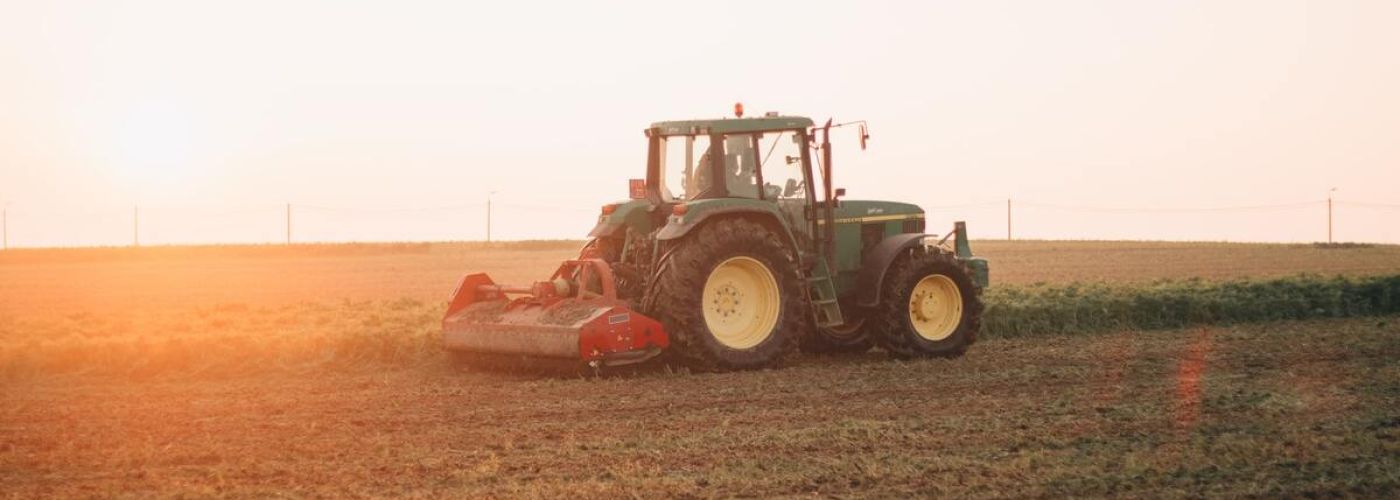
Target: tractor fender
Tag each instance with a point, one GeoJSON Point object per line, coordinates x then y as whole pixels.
{"type": "Point", "coordinates": [605, 228]}
{"type": "Point", "coordinates": [635, 213]}
{"type": "Point", "coordinates": [678, 226]}
{"type": "Point", "coordinates": [876, 263]}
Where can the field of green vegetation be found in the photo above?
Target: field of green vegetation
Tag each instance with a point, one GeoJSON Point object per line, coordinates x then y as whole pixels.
{"type": "Point", "coordinates": [1078, 308]}
{"type": "Point", "coordinates": [237, 338]}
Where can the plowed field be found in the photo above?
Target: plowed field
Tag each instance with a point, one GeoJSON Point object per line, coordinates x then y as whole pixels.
{"type": "Point", "coordinates": [1284, 408]}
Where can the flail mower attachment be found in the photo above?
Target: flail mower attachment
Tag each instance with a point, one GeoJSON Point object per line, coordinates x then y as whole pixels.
{"type": "Point", "coordinates": [574, 315]}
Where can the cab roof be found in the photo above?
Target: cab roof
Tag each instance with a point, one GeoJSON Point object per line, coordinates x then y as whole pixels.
{"type": "Point", "coordinates": [730, 125]}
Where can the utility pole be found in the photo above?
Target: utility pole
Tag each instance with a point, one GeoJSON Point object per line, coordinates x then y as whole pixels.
{"type": "Point", "coordinates": [1329, 214]}
{"type": "Point", "coordinates": [289, 223]}
{"type": "Point", "coordinates": [136, 226]}
{"type": "Point", "coordinates": [488, 216]}
{"type": "Point", "coordinates": [1008, 219]}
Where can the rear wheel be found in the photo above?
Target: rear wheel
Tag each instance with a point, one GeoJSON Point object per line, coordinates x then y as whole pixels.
{"type": "Point", "coordinates": [930, 307]}
{"type": "Point", "coordinates": [729, 296]}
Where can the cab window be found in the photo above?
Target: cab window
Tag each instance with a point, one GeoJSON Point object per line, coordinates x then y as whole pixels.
{"type": "Point", "coordinates": [682, 175]}
{"type": "Point", "coordinates": [740, 166]}
{"type": "Point", "coordinates": [782, 166]}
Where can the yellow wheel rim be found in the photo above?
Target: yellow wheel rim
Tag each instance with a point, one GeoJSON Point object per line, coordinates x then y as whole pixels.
{"type": "Point", "coordinates": [935, 307]}
{"type": "Point", "coordinates": [741, 303]}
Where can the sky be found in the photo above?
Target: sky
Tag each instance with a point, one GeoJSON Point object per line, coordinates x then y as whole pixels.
{"type": "Point", "coordinates": [1183, 120]}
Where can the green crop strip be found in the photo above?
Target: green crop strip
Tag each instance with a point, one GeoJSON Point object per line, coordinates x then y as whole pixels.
{"type": "Point", "coordinates": [229, 339]}
{"type": "Point", "coordinates": [1019, 311]}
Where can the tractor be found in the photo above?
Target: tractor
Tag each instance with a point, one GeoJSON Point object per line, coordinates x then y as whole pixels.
{"type": "Point", "coordinates": [736, 252]}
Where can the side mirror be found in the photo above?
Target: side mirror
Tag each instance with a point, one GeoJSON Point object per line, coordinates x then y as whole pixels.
{"type": "Point", "coordinates": [864, 136]}
{"type": "Point", "coordinates": [839, 193]}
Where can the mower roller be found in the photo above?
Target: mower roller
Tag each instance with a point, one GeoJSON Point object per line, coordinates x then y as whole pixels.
{"type": "Point", "coordinates": [734, 255]}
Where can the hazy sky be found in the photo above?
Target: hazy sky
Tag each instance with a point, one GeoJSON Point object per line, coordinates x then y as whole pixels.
{"type": "Point", "coordinates": [212, 115]}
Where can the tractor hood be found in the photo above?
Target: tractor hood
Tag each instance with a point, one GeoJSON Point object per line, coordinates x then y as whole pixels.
{"type": "Point", "coordinates": [856, 211]}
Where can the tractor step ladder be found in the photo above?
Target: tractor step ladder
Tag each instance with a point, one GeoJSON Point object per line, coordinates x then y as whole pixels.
{"type": "Point", "coordinates": [823, 292]}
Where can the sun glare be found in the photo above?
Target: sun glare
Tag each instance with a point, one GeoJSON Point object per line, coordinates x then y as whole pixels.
{"type": "Point", "coordinates": [153, 146]}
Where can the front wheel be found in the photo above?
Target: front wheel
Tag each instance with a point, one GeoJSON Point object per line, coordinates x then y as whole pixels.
{"type": "Point", "coordinates": [930, 307]}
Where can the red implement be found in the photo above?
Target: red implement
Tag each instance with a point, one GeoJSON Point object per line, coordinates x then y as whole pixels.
{"type": "Point", "coordinates": [574, 315]}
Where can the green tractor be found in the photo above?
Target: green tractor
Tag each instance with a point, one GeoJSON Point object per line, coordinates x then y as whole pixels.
{"type": "Point", "coordinates": [735, 252]}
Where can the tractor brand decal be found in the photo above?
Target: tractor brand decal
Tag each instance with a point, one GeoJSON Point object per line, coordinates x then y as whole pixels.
{"type": "Point", "coordinates": [874, 210]}
{"type": "Point", "coordinates": [619, 318]}
{"type": "Point", "coordinates": [875, 218]}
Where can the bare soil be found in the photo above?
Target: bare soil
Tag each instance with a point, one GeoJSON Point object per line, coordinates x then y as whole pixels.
{"type": "Point", "coordinates": [1294, 409]}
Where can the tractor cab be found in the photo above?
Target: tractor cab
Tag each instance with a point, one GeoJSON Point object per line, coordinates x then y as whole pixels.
{"type": "Point", "coordinates": [736, 165]}
{"type": "Point", "coordinates": [751, 158]}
